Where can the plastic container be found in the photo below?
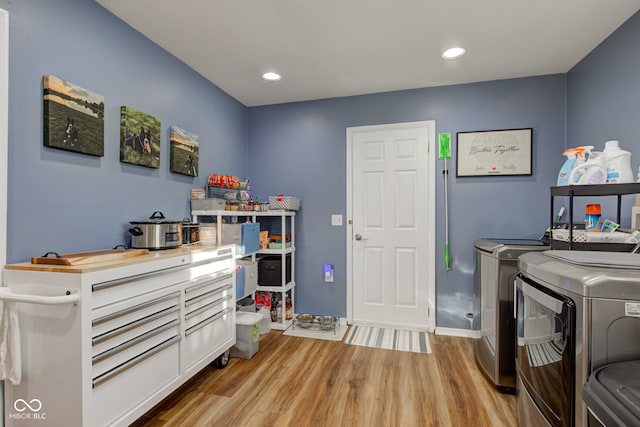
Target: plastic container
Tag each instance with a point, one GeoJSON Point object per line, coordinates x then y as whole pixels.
{"type": "Point", "coordinates": [567, 167]}
{"type": "Point", "coordinates": [247, 335]}
{"type": "Point", "coordinates": [592, 218]}
{"type": "Point", "coordinates": [593, 171]}
{"type": "Point", "coordinates": [265, 323]}
{"type": "Point", "coordinates": [618, 163]}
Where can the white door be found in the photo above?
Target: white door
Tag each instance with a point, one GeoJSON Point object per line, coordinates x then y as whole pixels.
{"type": "Point", "coordinates": [391, 232]}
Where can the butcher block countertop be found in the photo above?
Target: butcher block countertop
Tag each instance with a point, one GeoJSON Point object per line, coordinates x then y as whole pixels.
{"type": "Point", "coordinates": [85, 266]}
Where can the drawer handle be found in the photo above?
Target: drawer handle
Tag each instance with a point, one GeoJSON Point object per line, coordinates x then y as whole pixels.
{"type": "Point", "coordinates": [129, 326]}
{"type": "Point", "coordinates": [125, 345]}
{"type": "Point", "coordinates": [132, 362]}
{"type": "Point", "coordinates": [207, 294]}
{"type": "Point", "coordinates": [209, 280]}
{"type": "Point", "coordinates": [205, 322]}
{"type": "Point", "coordinates": [206, 307]}
{"type": "Point", "coordinates": [130, 279]}
{"type": "Point", "coordinates": [130, 310]}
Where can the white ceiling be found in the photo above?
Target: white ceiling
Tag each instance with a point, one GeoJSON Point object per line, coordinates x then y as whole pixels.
{"type": "Point", "coordinates": [333, 48]}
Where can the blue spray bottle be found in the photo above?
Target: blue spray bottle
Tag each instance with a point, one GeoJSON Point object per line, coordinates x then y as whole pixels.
{"type": "Point", "coordinates": [567, 167]}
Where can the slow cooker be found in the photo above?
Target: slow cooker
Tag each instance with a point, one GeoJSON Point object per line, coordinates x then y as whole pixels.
{"type": "Point", "coordinates": [156, 233]}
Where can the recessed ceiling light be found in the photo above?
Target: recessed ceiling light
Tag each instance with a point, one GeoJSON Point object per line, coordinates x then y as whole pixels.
{"type": "Point", "coordinates": [453, 53]}
{"type": "Point", "coordinates": [271, 77]}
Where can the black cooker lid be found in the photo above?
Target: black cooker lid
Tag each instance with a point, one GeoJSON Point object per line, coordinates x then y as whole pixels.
{"type": "Point", "coordinates": [156, 218]}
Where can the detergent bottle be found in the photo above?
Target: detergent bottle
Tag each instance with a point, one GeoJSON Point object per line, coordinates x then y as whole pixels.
{"type": "Point", "coordinates": [567, 167]}
{"type": "Point", "coordinates": [592, 171]}
{"type": "Point", "coordinates": [618, 163]}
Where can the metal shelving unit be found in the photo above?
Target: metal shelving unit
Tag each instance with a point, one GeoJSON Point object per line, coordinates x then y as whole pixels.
{"type": "Point", "coordinates": [287, 226]}
{"type": "Point", "coordinates": [571, 191]}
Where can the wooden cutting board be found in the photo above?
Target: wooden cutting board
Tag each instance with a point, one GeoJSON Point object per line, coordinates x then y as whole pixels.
{"type": "Point", "coordinates": [89, 257]}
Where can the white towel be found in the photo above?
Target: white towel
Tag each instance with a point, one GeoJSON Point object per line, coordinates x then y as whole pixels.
{"type": "Point", "coordinates": [10, 356]}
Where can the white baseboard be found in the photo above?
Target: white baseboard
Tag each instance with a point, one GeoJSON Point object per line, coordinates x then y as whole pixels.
{"type": "Point", "coordinates": [467, 333]}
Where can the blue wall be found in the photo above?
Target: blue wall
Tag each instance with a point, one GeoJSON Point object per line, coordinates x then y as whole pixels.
{"type": "Point", "coordinates": [603, 101]}
{"type": "Point", "coordinates": [300, 149]}
{"type": "Point", "coordinates": [65, 201]}
{"type": "Point", "coordinates": [603, 92]}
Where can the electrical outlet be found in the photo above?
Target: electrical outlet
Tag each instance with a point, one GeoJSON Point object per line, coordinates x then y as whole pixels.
{"type": "Point", "coordinates": [336, 220]}
{"type": "Point", "coordinates": [328, 273]}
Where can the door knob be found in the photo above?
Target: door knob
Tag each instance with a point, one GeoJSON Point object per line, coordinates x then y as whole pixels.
{"type": "Point", "coordinates": [358, 236]}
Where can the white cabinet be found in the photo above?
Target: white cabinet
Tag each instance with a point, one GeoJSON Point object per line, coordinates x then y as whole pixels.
{"type": "Point", "coordinates": [284, 223]}
{"type": "Point", "coordinates": [141, 328]}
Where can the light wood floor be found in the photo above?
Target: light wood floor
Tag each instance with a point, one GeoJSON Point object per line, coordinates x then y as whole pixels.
{"type": "Point", "coordinates": [304, 382]}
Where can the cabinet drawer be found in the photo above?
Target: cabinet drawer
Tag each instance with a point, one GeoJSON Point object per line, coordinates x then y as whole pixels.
{"type": "Point", "coordinates": [112, 291]}
{"type": "Point", "coordinates": [124, 332]}
{"type": "Point", "coordinates": [212, 267]}
{"type": "Point", "coordinates": [110, 361]}
{"type": "Point", "coordinates": [116, 396]}
{"type": "Point", "coordinates": [209, 337]}
{"type": "Point", "coordinates": [119, 317]}
{"type": "Point", "coordinates": [218, 282]}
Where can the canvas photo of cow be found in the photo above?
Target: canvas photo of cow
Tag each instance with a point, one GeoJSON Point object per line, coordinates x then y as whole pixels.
{"type": "Point", "coordinates": [139, 138]}
{"type": "Point", "coordinates": [73, 117]}
{"type": "Point", "coordinates": [184, 151]}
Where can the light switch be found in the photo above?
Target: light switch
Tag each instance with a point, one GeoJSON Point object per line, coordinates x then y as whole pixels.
{"type": "Point", "coordinates": [336, 220]}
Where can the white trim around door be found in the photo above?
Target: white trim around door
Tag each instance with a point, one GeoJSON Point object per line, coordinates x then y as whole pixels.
{"type": "Point", "coordinates": [429, 191]}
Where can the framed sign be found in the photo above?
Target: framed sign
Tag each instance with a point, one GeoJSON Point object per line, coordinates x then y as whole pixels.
{"type": "Point", "coordinates": [494, 152]}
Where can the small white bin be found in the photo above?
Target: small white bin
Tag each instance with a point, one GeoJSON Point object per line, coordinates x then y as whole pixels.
{"type": "Point", "coordinates": [247, 335]}
{"type": "Point", "coordinates": [208, 234]}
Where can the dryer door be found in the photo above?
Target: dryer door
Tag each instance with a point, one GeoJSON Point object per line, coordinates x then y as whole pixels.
{"type": "Point", "coordinates": [545, 350]}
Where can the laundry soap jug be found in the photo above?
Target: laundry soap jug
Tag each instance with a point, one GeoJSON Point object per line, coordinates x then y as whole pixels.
{"type": "Point", "coordinates": [567, 167]}
{"type": "Point", "coordinates": [593, 171]}
{"type": "Point", "coordinates": [618, 163]}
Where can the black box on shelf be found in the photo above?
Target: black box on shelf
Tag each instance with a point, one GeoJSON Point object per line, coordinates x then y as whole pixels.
{"type": "Point", "coordinates": [270, 270]}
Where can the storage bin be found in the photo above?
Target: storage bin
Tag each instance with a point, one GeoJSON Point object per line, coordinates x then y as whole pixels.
{"type": "Point", "coordinates": [265, 323]}
{"type": "Point", "coordinates": [270, 270]}
{"type": "Point", "coordinates": [288, 203]}
{"type": "Point", "coordinates": [208, 234]}
{"type": "Point", "coordinates": [250, 275]}
{"type": "Point", "coordinates": [240, 282]}
{"type": "Point", "coordinates": [212, 204]}
{"type": "Point", "coordinates": [246, 236]}
{"type": "Point", "coordinates": [278, 245]}
{"type": "Point", "coordinates": [247, 304]}
{"type": "Point", "coordinates": [247, 335]}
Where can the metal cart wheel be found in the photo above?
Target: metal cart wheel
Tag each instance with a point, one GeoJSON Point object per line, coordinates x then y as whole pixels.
{"type": "Point", "coordinates": [223, 360]}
